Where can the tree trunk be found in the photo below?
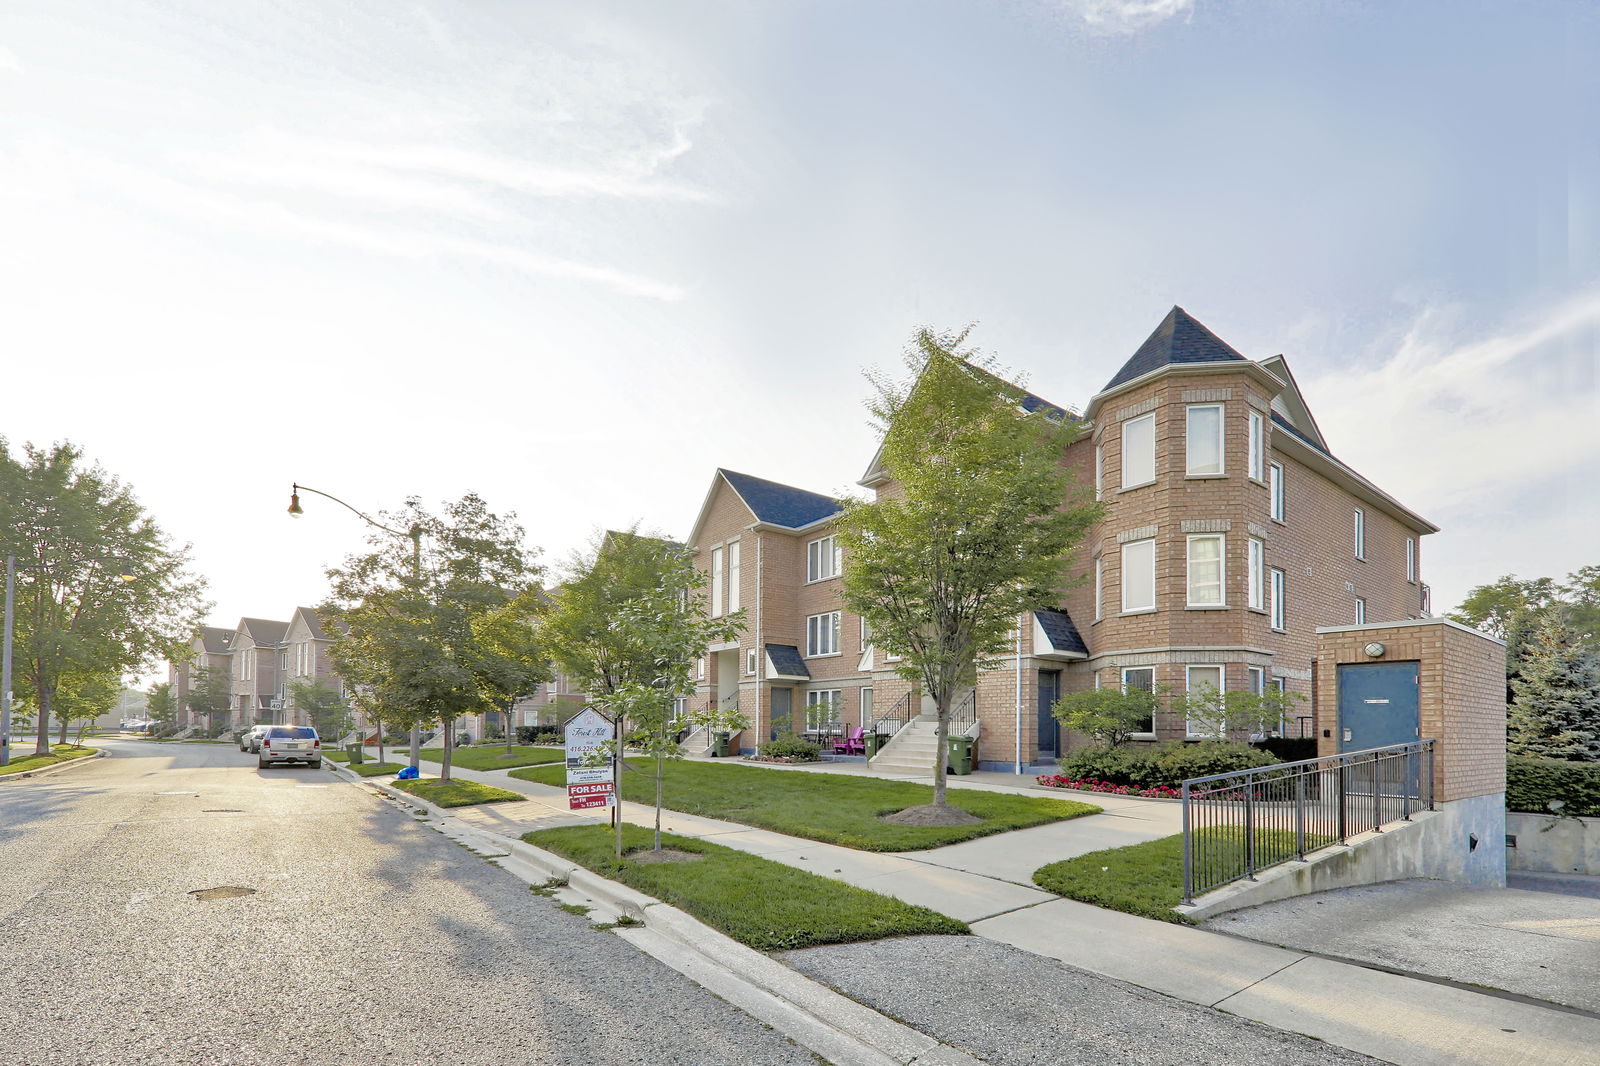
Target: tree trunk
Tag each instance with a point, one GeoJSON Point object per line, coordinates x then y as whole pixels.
{"type": "Point", "coordinates": [42, 744]}
{"type": "Point", "coordinates": [449, 747]}
{"type": "Point", "coordinates": [505, 723]}
{"type": "Point", "coordinates": [940, 746]}
{"type": "Point", "coordinates": [377, 723]}
{"type": "Point", "coordinates": [661, 772]}
{"type": "Point", "coordinates": [63, 720]}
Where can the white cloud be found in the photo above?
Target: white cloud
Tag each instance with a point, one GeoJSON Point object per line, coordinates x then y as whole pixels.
{"type": "Point", "coordinates": [1120, 17]}
{"type": "Point", "coordinates": [9, 63]}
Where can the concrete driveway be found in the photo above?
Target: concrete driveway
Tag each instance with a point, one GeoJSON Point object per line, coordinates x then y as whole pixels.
{"type": "Point", "coordinates": [1540, 944]}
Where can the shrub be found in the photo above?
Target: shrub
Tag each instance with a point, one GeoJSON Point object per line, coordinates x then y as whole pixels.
{"type": "Point", "coordinates": [791, 747]}
{"type": "Point", "coordinates": [1166, 765]}
{"type": "Point", "coordinates": [1531, 783]}
{"type": "Point", "coordinates": [1208, 757]}
{"type": "Point", "coordinates": [1117, 766]}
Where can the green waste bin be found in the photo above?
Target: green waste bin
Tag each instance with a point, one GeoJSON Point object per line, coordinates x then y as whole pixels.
{"type": "Point", "coordinates": [960, 755]}
{"type": "Point", "coordinates": [720, 750]}
{"type": "Point", "coordinates": [872, 742]}
{"type": "Point", "coordinates": [355, 752]}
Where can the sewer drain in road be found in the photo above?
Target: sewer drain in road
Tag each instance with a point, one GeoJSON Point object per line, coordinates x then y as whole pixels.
{"type": "Point", "coordinates": [224, 892]}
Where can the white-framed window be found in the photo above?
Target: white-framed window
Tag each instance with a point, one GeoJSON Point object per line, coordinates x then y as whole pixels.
{"type": "Point", "coordinates": [716, 582]}
{"type": "Point", "coordinates": [1361, 534]}
{"type": "Point", "coordinates": [866, 634]}
{"type": "Point", "coordinates": [822, 634]}
{"type": "Point", "coordinates": [1275, 483]}
{"type": "Point", "coordinates": [750, 662]}
{"type": "Point", "coordinates": [1138, 677]}
{"type": "Point", "coordinates": [1099, 588]}
{"type": "Point", "coordinates": [1198, 679]}
{"type": "Point", "coordinates": [1278, 591]}
{"type": "Point", "coordinates": [699, 672]}
{"type": "Point", "coordinates": [1258, 679]}
{"type": "Point", "coordinates": [1411, 558]}
{"type": "Point", "coordinates": [1203, 439]}
{"type": "Point", "coordinates": [1257, 574]}
{"type": "Point", "coordinates": [1284, 726]}
{"type": "Point", "coordinates": [822, 559]}
{"type": "Point", "coordinates": [1361, 611]}
{"type": "Point", "coordinates": [866, 707]}
{"type": "Point", "coordinates": [1139, 575]}
{"type": "Point", "coordinates": [733, 576]}
{"type": "Point", "coordinates": [680, 710]}
{"type": "Point", "coordinates": [1139, 450]}
{"type": "Point", "coordinates": [1208, 570]}
{"type": "Point", "coordinates": [822, 710]}
{"type": "Point", "coordinates": [1099, 470]}
{"type": "Point", "coordinates": [1258, 446]}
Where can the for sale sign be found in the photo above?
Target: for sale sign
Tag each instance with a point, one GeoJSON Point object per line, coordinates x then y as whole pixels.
{"type": "Point", "coordinates": [590, 782]}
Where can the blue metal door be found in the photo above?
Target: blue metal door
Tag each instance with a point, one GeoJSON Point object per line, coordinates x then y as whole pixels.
{"type": "Point", "coordinates": [1378, 705]}
{"type": "Point", "coordinates": [1049, 692]}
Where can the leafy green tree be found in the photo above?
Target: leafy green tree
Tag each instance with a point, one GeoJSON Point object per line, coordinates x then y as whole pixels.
{"type": "Point", "coordinates": [160, 705]}
{"type": "Point", "coordinates": [324, 707]}
{"type": "Point", "coordinates": [211, 694]}
{"type": "Point", "coordinates": [1491, 608]}
{"type": "Point", "coordinates": [1111, 715]}
{"type": "Point", "coordinates": [627, 627]}
{"type": "Point", "coordinates": [75, 530]}
{"type": "Point", "coordinates": [1557, 709]}
{"type": "Point", "coordinates": [979, 528]}
{"type": "Point", "coordinates": [410, 609]}
{"type": "Point", "coordinates": [1235, 714]}
{"type": "Point", "coordinates": [84, 695]}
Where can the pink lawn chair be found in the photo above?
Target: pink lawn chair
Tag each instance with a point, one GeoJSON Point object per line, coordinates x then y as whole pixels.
{"type": "Point", "coordinates": [854, 744]}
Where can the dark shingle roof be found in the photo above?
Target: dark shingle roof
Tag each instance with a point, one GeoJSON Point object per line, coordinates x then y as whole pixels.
{"type": "Point", "coordinates": [781, 505]}
{"type": "Point", "coordinates": [1063, 635]}
{"type": "Point", "coordinates": [1284, 424]}
{"type": "Point", "coordinates": [264, 630]}
{"type": "Point", "coordinates": [1179, 339]}
{"type": "Point", "coordinates": [786, 660]}
{"type": "Point", "coordinates": [216, 640]}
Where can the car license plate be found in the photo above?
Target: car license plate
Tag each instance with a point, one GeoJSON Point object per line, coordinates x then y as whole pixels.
{"type": "Point", "coordinates": [292, 747]}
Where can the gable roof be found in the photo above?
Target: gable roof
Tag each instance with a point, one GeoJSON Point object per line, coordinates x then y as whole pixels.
{"type": "Point", "coordinates": [215, 639]}
{"type": "Point", "coordinates": [1060, 631]}
{"type": "Point", "coordinates": [1180, 338]}
{"type": "Point", "coordinates": [262, 630]}
{"type": "Point", "coordinates": [312, 620]}
{"type": "Point", "coordinates": [787, 661]}
{"type": "Point", "coordinates": [780, 505]}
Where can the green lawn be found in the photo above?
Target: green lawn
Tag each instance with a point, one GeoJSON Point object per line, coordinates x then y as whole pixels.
{"type": "Point", "coordinates": [495, 758]}
{"type": "Point", "coordinates": [59, 753]}
{"type": "Point", "coordinates": [453, 793]}
{"type": "Point", "coordinates": [769, 906]}
{"type": "Point", "coordinates": [375, 769]}
{"type": "Point", "coordinates": [1147, 879]}
{"type": "Point", "coordinates": [335, 756]}
{"type": "Point", "coordinates": [830, 807]}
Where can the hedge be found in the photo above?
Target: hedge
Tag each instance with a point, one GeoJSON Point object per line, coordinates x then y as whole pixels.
{"type": "Point", "coordinates": [1531, 784]}
{"type": "Point", "coordinates": [1165, 764]}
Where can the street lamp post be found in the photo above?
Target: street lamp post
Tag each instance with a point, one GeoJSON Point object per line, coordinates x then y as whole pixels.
{"type": "Point", "coordinates": [127, 576]}
{"type": "Point", "coordinates": [415, 536]}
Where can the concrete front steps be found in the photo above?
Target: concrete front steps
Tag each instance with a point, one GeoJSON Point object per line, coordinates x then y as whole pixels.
{"type": "Point", "coordinates": [910, 751]}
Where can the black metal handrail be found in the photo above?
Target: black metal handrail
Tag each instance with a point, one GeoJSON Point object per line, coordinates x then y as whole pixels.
{"type": "Point", "coordinates": [887, 725]}
{"type": "Point", "coordinates": [964, 715]}
{"type": "Point", "coordinates": [1236, 824]}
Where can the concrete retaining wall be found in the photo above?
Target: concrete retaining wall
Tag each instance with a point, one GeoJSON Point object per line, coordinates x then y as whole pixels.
{"type": "Point", "coordinates": [1435, 844]}
{"type": "Point", "coordinates": [1553, 845]}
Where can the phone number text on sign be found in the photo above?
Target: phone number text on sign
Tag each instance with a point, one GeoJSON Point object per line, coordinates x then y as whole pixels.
{"type": "Point", "coordinates": [598, 794]}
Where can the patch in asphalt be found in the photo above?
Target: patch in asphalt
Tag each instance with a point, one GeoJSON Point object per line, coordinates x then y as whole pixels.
{"type": "Point", "coordinates": [222, 892]}
{"type": "Point", "coordinates": [222, 810]}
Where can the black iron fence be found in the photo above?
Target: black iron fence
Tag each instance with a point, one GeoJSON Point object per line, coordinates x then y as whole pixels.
{"type": "Point", "coordinates": [1239, 823]}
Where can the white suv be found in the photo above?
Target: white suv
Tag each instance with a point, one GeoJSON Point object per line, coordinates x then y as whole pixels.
{"type": "Point", "coordinates": [251, 741]}
{"type": "Point", "coordinates": [289, 743]}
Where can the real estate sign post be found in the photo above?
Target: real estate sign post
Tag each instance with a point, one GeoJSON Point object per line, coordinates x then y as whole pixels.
{"type": "Point", "coordinates": [589, 785]}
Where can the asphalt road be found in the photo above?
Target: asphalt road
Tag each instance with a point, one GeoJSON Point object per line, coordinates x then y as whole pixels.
{"type": "Point", "coordinates": [364, 936]}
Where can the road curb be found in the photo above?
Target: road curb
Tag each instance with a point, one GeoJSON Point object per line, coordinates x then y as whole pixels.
{"type": "Point", "coordinates": [99, 753]}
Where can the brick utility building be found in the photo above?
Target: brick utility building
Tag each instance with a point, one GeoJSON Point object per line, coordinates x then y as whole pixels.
{"type": "Point", "coordinates": [1231, 533]}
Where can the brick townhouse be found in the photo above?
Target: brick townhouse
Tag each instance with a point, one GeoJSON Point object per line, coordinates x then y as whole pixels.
{"type": "Point", "coordinates": [1231, 532]}
{"type": "Point", "coordinates": [209, 649]}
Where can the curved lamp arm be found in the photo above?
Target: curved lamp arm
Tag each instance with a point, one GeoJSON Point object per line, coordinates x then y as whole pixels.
{"type": "Point", "coordinates": [296, 511]}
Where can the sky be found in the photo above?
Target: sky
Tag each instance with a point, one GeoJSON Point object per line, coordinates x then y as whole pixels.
{"type": "Point", "coordinates": [573, 257]}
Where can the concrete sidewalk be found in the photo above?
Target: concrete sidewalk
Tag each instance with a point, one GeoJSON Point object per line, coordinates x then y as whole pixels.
{"type": "Point", "coordinates": [1410, 1020]}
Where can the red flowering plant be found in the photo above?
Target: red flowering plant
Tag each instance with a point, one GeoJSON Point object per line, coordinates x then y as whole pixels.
{"type": "Point", "coordinates": [1091, 785]}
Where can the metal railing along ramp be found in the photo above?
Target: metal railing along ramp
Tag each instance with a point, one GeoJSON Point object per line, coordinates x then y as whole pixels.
{"type": "Point", "coordinates": [1239, 823]}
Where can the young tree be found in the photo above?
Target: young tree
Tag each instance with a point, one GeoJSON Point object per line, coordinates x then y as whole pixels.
{"type": "Point", "coordinates": [83, 696]}
{"type": "Point", "coordinates": [1232, 715]}
{"type": "Point", "coordinates": [627, 627]}
{"type": "Point", "coordinates": [979, 528]}
{"type": "Point", "coordinates": [77, 532]}
{"type": "Point", "coordinates": [210, 694]}
{"type": "Point", "coordinates": [1557, 710]}
{"type": "Point", "coordinates": [1108, 714]}
{"type": "Point", "coordinates": [323, 707]}
{"type": "Point", "coordinates": [160, 706]}
{"type": "Point", "coordinates": [410, 609]}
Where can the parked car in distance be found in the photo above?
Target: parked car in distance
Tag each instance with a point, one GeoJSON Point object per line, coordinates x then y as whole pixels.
{"type": "Point", "coordinates": [289, 743]}
{"type": "Point", "coordinates": [251, 741]}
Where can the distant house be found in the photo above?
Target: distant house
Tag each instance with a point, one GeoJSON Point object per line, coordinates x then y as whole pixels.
{"type": "Point", "coordinates": [210, 649]}
{"type": "Point", "coordinates": [256, 670]}
{"type": "Point", "coordinates": [304, 659]}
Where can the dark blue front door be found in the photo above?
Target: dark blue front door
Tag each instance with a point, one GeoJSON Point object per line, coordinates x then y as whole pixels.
{"type": "Point", "coordinates": [1378, 705]}
{"type": "Point", "coordinates": [1049, 692]}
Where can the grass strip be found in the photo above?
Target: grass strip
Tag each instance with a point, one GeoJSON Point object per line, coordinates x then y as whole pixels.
{"type": "Point", "coordinates": [59, 753]}
{"type": "Point", "coordinates": [765, 904]}
{"type": "Point", "coordinates": [455, 793]}
{"type": "Point", "coordinates": [1147, 878]}
{"type": "Point", "coordinates": [375, 769]}
{"type": "Point", "coordinates": [834, 808]}
{"type": "Point", "coordinates": [495, 758]}
{"type": "Point", "coordinates": [335, 756]}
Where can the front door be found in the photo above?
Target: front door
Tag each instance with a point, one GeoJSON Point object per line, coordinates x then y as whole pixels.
{"type": "Point", "coordinates": [782, 710]}
{"type": "Point", "coordinates": [1378, 705]}
{"type": "Point", "coordinates": [1049, 729]}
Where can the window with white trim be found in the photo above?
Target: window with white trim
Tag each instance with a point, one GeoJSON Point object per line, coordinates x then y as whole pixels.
{"type": "Point", "coordinates": [716, 582]}
{"type": "Point", "coordinates": [1411, 558]}
{"type": "Point", "coordinates": [822, 634]}
{"type": "Point", "coordinates": [1258, 679]}
{"type": "Point", "coordinates": [1258, 446]}
{"type": "Point", "coordinates": [822, 710]}
{"type": "Point", "coordinates": [1139, 450]}
{"type": "Point", "coordinates": [1203, 440]}
{"type": "Point", "coordinates": [750, 662]}
{"type": "Point", "coordinates": [1361, 534]}
{"type": "Point", "coordinates": [1208, 570]}
{"type": "Point", "coordinates": [1198, 679]}
{"type": "Point", "coordinates": [822, 559]}
{"type": "Point", "coordinates": [1279, 593]}
{"type": "Point", "coordinates": [1099, 470]}
{"type": "Point", "coordinates": [733, 576]}
{"type": "Point", "coordinates": [1275, 484]}
{"type": "Point", "coordinates": [1257, 575]}
{"type": "Point", "coordinates": [1144, 679]}
{"type": "Point", "coordinates": [1276, 685]}
{"type": "Point", "coordinates": [866, 634]}
{"type": "Point", "coordinates": [1361, 611]}
{"type": "Point", "coordinates": [1099, 588]}
{"type": "Point", "coordinates": [699, 671]}
{"type": "Point", "coordinates": [680, 710]}
{"type": "Point", "coordinates": [866, 707]}
{"type": "Point", "coordinates": [1139, 575]}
